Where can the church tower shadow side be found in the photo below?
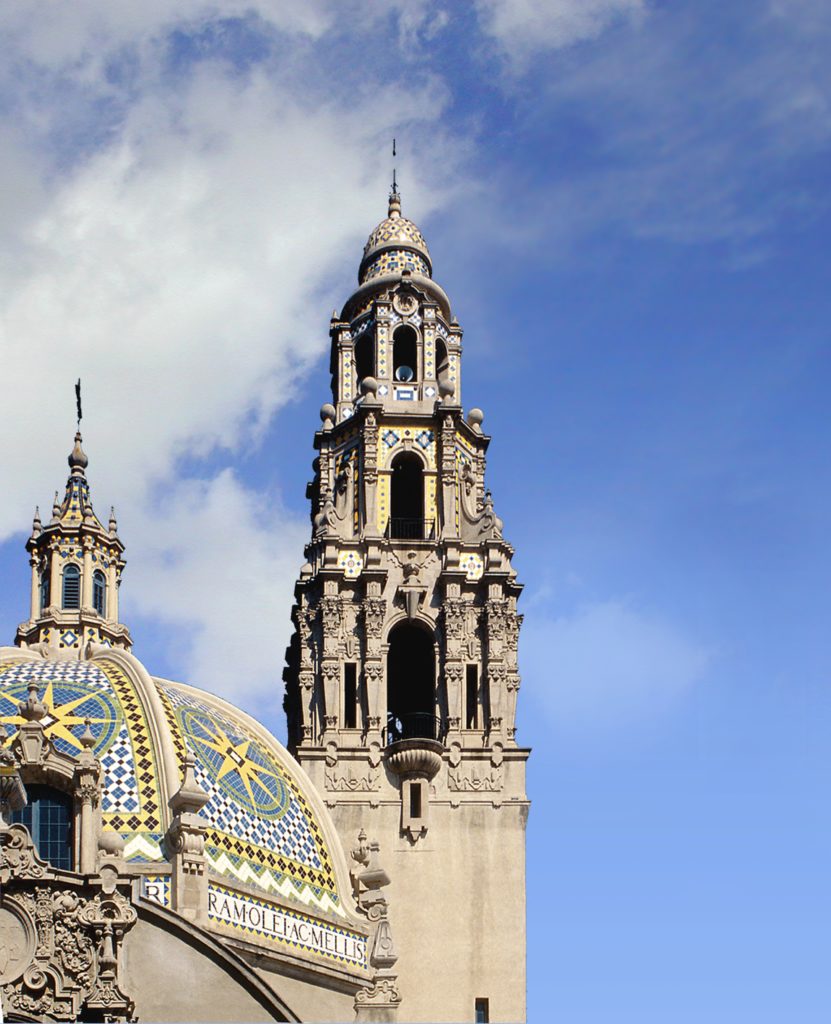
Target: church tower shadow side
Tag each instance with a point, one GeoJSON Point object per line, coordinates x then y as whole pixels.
{"type": "Point", "coordinates": [401, 677]}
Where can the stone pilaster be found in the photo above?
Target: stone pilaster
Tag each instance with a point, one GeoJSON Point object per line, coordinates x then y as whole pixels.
{"type": "Point", "coordinates": [185, 841]}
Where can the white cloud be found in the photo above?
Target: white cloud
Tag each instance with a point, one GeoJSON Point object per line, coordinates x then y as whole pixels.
{"type": "Point", "coordinates": [219, 562]}
{"type": "Point", "coordinates": [183, 261]}
{"type": "Point", "coordinates": [607, 665]}
{"type": "Point", "coordinates": [82, 35]}
{"type": "Point", "coordinates": [179, 272]}
{"type": "Point", "coordinates": [524, 28]}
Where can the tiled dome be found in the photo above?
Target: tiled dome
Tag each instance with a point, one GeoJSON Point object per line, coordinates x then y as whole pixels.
{"type": "Point", "coordinates": [394, 245]}
{"type": "Point", "coordinates": [262, 828]}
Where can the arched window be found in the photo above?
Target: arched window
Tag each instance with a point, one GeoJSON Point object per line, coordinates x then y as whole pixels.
{"type": "Point", "coordinates": [71, 587]}
{"type": "Point", "coordinates": [407, 498]}
{"type": "Point", "coordinates": [48, 817]}
{"type": "Point", "coordinates": [365, 356]}
{"type": "Point", "coordinates": [44, 591]}
{"type": "Point", "coordinates": [442, 362]}
{"type": "Point", "coordinates": [99, 591]}
{"type": "Point", "coordinates": [405, 354]}
{"type": "Point", "coordinates": [411, 688]}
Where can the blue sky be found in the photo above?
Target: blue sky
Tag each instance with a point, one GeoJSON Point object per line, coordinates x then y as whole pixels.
{"type": "Point", "coordinates": [627, 203]}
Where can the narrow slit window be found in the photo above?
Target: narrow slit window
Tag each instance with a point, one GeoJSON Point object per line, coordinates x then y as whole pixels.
{"type": "Point", "coordinates": [482, 1011]}
{"type": "Point", "coordinates": [350, 695]}
{"type": "Point", "coordinates": [472, 697]}
{"type": "Point", "coordinates": [415, 800]}
{"type": "Point", "coordinates": [99, 589]}
{"type": "Point", "coordinates": [44, 591]}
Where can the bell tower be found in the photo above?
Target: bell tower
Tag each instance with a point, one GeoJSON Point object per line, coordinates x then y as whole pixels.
{"type": "Point", "coordinates": [401, 677]}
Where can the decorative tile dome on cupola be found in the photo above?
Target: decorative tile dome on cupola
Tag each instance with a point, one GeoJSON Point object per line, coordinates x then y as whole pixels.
{"type": "Point", "coordinates": [394, 246]}
{"type": "Point", "coordinates": [264, 825]}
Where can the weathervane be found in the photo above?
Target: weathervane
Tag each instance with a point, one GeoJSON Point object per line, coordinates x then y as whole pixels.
{"type": "Point", "coordinates": [78, 400]}
{"type": "Point", "coordinates": [394, 184]}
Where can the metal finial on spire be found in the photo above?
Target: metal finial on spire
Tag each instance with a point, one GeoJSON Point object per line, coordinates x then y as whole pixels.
{"type": "Point", "coordinates": [395, 199]}
{"type": "Point", "coordinates": [78, 401]}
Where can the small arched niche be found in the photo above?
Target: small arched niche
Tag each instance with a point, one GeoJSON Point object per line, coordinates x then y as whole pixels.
{"type": "Point", "coordinates": [411, 683]}
{"type": "Point", "coordinates": [407, 497]}
{"type": "Point", "coordinates": [405, 354]}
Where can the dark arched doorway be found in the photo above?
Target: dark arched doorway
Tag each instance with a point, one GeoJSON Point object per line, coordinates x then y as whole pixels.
{"type": "Point", "coordinates": [407, 497]}
{"type": "Point", "coordinates": [411, 683]}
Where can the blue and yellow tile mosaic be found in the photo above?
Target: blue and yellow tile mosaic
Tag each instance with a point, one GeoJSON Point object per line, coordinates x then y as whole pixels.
{"type": "Point", "coordinates": [74, 691]}
{"type": "Point", "coordinates": [261, 829]}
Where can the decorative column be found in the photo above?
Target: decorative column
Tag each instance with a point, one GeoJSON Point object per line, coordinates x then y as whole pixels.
{"type": "Point", "coordinates": [455, 610]}
{"type": "Point", "coordinates": [513, 621]}
{"type": "Point", "coordinates": [497, 673]}
{"type": "Point", "coordinates": [55, 597]}
{"type": "Point", "coordinates": [185, 839]}
{"type": "Point", "coordinates": [34, 603]}
{"type": "Point", "coordinates": [447, 456]}
{"type": "Point", "coordinates": [86, 785]}
{"type": "Point", "coordinates": [380, 1000]}
{"type": "Point", "coordinates": [12, 791]}
{"type": "Point", "coordinates": [331, 614]}
{"type": "Point", "coordinates": [86, 575]}
{"type": "Point", "coordinates": [375, 611]}
{"type": "Point", "coordinates": [369, 444]}
{"type": "Point", "coordinates": [112, 591]}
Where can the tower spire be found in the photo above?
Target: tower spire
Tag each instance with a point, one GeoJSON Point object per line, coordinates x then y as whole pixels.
{"type": "Point", "coordinates": [395, 199]}
{"type": "Point", "coordinates": [76, 569]}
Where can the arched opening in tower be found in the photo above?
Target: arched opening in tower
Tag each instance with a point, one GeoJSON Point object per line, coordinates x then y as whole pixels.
{"type": "Point", "coordinates": [365, 356]}
{"type": "Point", "coordinates": [411, 700]}
{"type": "Point", "coordinates": [405, 354]}
{"type": "Point", "coordinates": [407, 498]}
{"type": "Point", "coordinates": [442, 362]}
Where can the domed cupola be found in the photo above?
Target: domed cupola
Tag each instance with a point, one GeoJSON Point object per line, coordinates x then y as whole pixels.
{"type": "Point", "coordinates": [394, 246]}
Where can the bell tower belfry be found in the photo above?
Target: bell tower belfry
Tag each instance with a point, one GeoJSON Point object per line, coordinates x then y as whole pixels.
{"type": "Point", "coordinates": [401, 677]}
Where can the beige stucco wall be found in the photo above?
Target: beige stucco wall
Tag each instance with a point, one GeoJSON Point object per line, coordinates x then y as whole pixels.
{"type": "Point", "coordinates": [171, 979]}
{"type": "Point", "coordinates": [318, 1002]}
{"type": "Point", "coordinates": [457, 906]}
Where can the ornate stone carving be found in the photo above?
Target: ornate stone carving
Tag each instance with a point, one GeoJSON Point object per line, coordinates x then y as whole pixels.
{"type": "Point", "coordinates": [454, 673]}
{"type": "Point", "coordinates": [383, 992]}
{"type": "Point", "coordinates": [455, 611]}
{"type": "Point", "coordinates": [62, 955]}
{"type": "Point", "coordinates": [348, 782]}
{"type": "Point", "coordinates": [331, 612]}
{"type": "Point", "coordinates": [475, 779]}
{"type": "Point", "coordinates": [375, 611]}
{"type": "Point", "coordinates": [18, 856]}
{"type": "Point", "coordinates": [496, 611]}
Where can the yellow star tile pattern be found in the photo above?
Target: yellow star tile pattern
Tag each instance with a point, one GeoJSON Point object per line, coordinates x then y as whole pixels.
{"type": "Point", "coordinates": [261, 829]}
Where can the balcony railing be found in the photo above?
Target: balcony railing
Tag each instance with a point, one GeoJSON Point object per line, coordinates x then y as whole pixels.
{"type": "Point", "coordinates": [410, 528]}
{"type": "Point", "coordinates": [415, 726]}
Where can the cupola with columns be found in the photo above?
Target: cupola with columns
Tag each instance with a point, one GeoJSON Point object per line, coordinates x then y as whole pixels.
{"type": "Point", "coordinates": [76, 565]}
